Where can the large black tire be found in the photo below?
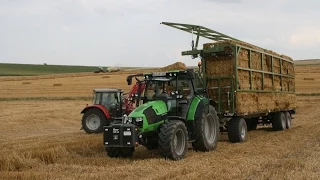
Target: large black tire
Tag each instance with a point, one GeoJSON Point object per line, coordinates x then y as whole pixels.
{"type": "Point", "coordinates": [237, 130]}
{"type": "Point", "coordinates": [124, 152]}
{"type": "Point", "coordinates": [252, 124]}
{"type": "Point", "coordinates": [206, 131]}
{"type": "Point", "coordinates": [289, 120]}
{"type": "Point", "coordinates": [93, 121]}
{"type": "Point", "coordinates": [279, 121]}
{"type": "Point", "coordinates": [173, 140]}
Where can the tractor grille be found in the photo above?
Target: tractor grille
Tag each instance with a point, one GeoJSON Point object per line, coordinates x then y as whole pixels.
{"type": "Point", "coordinates": [151, 115]}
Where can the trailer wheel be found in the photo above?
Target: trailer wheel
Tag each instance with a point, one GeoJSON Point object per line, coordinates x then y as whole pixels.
{"type": "Point", "coordinates": [252, 124]}
{"type": "Point", "coordinates": [124, 152]}
{"type": "Point", "coordinates": [93, 120]}
{"type": "Point", "coordinates": [173, 140]}
{"type": "Point", "coordinates": [279, 121]}
{"type": "Point", "coordinates": [289, 120]}
{"type": "Point", "coordinates": [206, 131]}
{"type": "Point", "coordinates": [237, 130]}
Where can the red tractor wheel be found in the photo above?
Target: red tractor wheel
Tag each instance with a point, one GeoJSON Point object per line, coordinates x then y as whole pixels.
{"type": "Point", "coordinates": [93, 120]}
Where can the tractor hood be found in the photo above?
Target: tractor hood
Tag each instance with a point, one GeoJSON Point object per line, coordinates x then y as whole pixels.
{"type": "Point", "coordinates": [158, 107]}
{"type": "Point", "coordinates": [149, 115]}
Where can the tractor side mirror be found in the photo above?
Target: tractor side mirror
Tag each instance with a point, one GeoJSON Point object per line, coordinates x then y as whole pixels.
{"type": "Point", "coordinates": [129, 80]}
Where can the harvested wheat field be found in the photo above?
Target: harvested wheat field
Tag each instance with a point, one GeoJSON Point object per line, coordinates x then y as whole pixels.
{"type": "Point", "coordinates": [41, 138]}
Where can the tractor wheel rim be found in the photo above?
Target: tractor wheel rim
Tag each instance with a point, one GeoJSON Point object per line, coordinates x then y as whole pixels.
{"type": "Point", "coordinates": [93, 122]}
{"type": "Point", "coordinates": [210, 129]}
{"type": "Point", "coordinates": [243, 131]}
{"type": "Point", "coordinates": [179, 142]}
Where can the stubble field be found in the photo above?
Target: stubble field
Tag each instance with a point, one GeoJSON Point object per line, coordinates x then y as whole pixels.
{"type": "Point", "coordinates": [41, 138]}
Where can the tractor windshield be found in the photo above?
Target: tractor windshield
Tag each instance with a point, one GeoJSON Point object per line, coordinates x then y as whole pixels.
{"type": "Point", "coordinates": [165, 87]}
{"type": "Point", "coordinates": [110, 99]}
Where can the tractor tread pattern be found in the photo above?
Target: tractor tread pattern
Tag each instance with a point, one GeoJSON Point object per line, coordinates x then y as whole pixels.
{"type": "Point", "coordinates": [200, 143]}
{"type": "Point", "coordinates": [166, 135]}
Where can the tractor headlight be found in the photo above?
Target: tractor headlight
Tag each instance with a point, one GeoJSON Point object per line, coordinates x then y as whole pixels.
{"type": "Point", "coordinates": [139, 119]}
{"type": "Point", "coordinates": [130, 119]}
{"type": "Point", "coordinates": [170, 74]}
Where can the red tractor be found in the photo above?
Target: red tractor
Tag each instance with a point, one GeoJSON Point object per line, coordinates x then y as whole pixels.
{"type": "Point", "coordinates": [111, 105]}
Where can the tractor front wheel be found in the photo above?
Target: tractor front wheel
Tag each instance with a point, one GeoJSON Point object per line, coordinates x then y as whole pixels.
{"type": "Point", "coordinates": [93, 120]}
{"type": "Point", "coordinates": [173, 140]}
{"type": "Point", "coordinates": [124, 152]}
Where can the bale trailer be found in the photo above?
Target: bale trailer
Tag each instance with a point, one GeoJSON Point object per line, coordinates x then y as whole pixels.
{"type": "Point", "coordinates": [246, 84]}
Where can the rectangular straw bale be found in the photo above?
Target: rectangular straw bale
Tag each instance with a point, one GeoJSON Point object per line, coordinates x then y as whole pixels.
{"type": "Point", "coordinates": [268, 82]}
{"type": "Point", "coordinates": [284, 67]}
{"type": "Point", "coordinates": [276, 65]}
{"type": "Point", "coordinates": [256, 60]}
{"type": "Point", "coordinates": [244, 79]}
{"type": "Point", "coordinates": [262, 102]}
{"type": "Point", "coordinates": [219, 66]}
{"type": "Point", "coordinates": [277, 83]}
{"type": "Point", "coordinates": [268, 63]}
{"type": "Point", "coordinates": [285, 84]}
{"type": "Point", "coordinates": [256, 80]}
{"type": "Point", "coordinates": [243, 58]}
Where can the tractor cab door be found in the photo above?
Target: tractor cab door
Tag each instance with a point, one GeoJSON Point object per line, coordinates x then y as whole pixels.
{"type": "Point", "coordinates": [111, 101]}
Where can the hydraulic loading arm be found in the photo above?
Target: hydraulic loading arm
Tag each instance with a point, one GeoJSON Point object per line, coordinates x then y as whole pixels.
{"type": "Point", "coordinates": [199, 31]}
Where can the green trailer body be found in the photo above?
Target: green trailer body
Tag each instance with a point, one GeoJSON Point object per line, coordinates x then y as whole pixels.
{"type": "Point", "coordinates": [242, 79]}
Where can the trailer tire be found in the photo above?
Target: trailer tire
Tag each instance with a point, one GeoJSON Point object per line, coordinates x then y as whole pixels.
{"type": "Point", "coordinates": [173, 140]}
{"type": "Point", "coordinates": [279, 121]}
{"type": "Point", "coordinates": [206, 131]}
{"type": "Point", "coordinates": [124, 152]}
{"type": "Point", "coordinates": [252, 124]}
{"type": "Point", "coordinates": [93, 121]}
{"type": "Point", "coordinates": [237, 130]}
{"type": "Point", "coordinates": [289, 120]}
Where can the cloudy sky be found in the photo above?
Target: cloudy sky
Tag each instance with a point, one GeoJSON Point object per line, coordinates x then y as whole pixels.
{"type": "Point", "coordinates": [128, 32]}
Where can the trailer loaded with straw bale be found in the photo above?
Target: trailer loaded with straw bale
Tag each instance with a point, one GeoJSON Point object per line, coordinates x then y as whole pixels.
{"type": "Point", "coordinates": [246, 84]}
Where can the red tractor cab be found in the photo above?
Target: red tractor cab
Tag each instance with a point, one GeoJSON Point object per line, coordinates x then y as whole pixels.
{"type": "Point", "coordinates": [110, 105]}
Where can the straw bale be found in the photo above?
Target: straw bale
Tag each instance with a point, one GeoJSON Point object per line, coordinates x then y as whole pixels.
{"type": "Point", "coordinates": [276, 65]}
{"type": "Point", "coordinates": [207, 45]}
{"type": "Point", "coordinates": [219, 66]}
{"type": "Point", "coordinates": [262, 102]}
{"type": "Point", "coordinates": [175, 66]}
{"type": "Point", "coordinates": [256, 81]}
{"type": "Point", "coordinates": [268, 82]}
{"type": "Point", "coordinates": [243, 58]}
{"type": "Point", "coordinates": [244, 79]}
{"type": "Point", "coordinates": [256, 60]}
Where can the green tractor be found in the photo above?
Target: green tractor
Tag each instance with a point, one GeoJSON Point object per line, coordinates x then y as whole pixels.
{"type": "Point", "coordinates": [175, 111]}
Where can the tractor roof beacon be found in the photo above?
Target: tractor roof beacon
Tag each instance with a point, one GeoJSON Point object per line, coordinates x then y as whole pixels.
{"type": "Point", "coordinates": [109, 105]}
{"type": "Point", "coordinates": [175, 111]}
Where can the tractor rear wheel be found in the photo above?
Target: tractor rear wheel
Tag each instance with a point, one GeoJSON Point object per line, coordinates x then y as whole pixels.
{"type": "Point", "coordinates": [279, 121]}
{"type": "Point", "coordinates": [93, 120]}
{"type": "Point", "coordinates": [173, 140]}
{"type": "Point", "coordinates": [124, 152]}
{"type": "Point", "coordinates": [206, 131]}
{"type": "Point", "coordinates": [289, 119]}
{"type": "Point", "coordinates": [237, 130]}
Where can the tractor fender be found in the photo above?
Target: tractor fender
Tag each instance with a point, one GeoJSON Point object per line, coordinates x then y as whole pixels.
{"type": "Point", "coordinates": [196, 108]}
{"type": "Point", "coordinates": [100, 107]}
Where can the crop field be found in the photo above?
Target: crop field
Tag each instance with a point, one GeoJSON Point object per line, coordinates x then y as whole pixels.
{"type": "Point", "coordinates": [41, 138]}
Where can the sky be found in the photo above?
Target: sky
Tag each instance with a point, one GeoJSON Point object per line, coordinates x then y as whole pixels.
{"type": "Point", "coordinates": [129, 33]}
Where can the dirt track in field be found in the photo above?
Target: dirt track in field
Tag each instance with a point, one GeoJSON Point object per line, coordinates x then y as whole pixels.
{"type": "Point", "coordinates": [42, 140]}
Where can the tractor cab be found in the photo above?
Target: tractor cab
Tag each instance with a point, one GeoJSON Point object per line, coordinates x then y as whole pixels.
{"type": "Point", "coordinates": [111, 99]}
{"type": "Point", "coordinates": [175, 88]}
